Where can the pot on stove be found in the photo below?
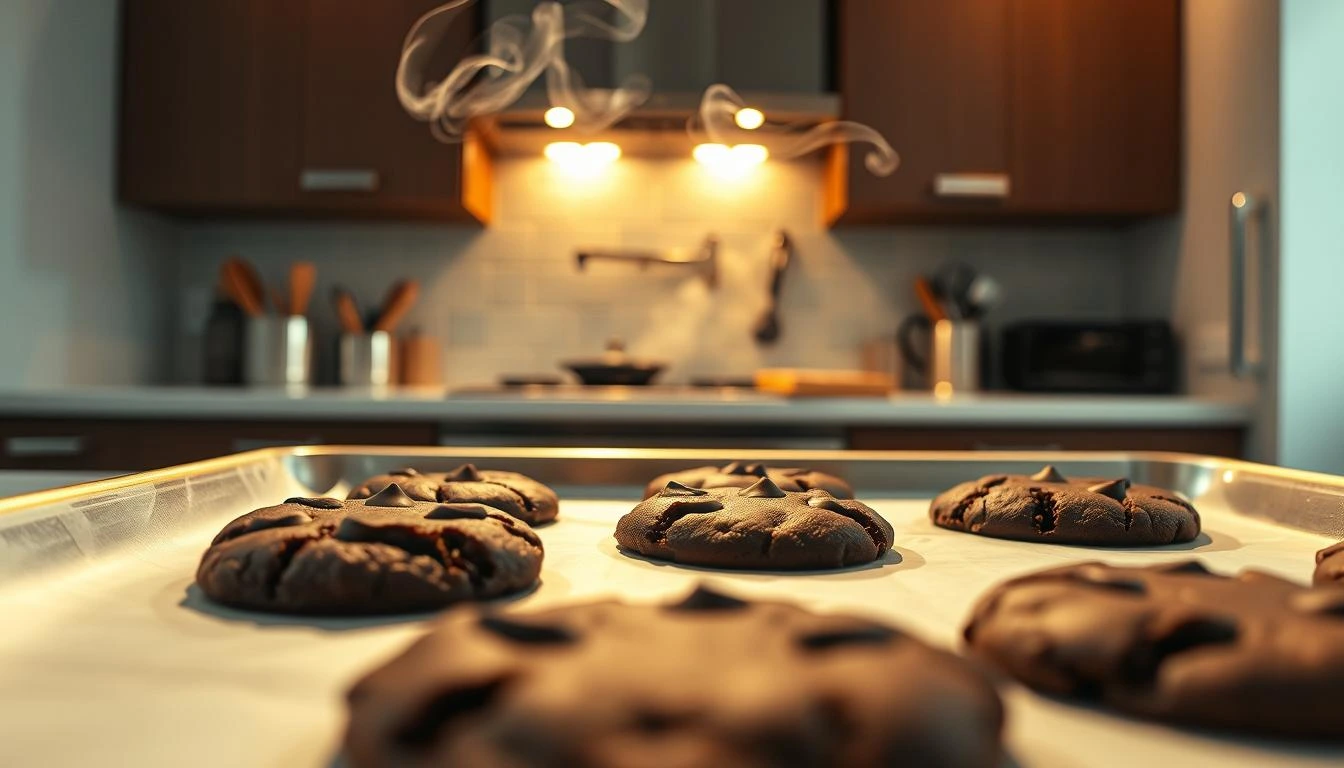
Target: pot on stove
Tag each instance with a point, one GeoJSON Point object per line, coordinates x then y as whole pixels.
{"type": "Point", "coordinates": [615, 368]}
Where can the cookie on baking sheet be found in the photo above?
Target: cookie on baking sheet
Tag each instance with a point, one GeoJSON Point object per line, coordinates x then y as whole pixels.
{"type": "Point", "coordinates": [519, 495]}
{"type": "Point", "coordinates": [762, 526]}
{"type": "Point", "coordinates": [1048, 507]}
{"type": "Point", "coordinates": [1330, 565]}
{"type": "Point", "coordinates": [1174, 642]}
{"type": "Point", "coordinates": [385, 554]}
{"type": "Point", "coordinates": [709, 681]}
{"type": "Point", "coordinates": [741, 474]}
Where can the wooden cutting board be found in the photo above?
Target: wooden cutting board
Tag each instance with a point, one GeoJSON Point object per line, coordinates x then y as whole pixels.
{"type": "Point", "coordinates": [805, 382]}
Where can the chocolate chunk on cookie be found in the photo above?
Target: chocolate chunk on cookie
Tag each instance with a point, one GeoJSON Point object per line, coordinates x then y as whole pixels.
{"type": "Point", "coordinates": [761, 526]}
{"type": "Point", "coordinates": [1330, 565]}
{"type": "Point", "coordinates": [519, 495]}
{"type": "Point", "coordinates": [1174, 642]}
{"type": "Point", "coordinates": [386, 554]}
{"type": "Point", "coordinates": [1051, 508]}
{"type": "Point", "coordinates": [710, 681]}
{"type": "Point", "coordinates": [740, 474]}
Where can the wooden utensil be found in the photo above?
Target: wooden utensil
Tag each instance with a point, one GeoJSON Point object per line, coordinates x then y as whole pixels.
{"type": "Point", "coordinates": [234, 279]}
{"type": "Point", "coordinates": [256, 288]}
{"type": "Point", "coordinates": [928, 300]}
{"type": "Point", "coordinates": [398, 303]}
{"type": "Point", "coordinates": [347, 311]}
{"type": "Point", "coordinates": [302, 278]}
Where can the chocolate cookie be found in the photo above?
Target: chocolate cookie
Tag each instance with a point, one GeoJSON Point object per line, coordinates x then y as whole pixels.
{"type": "Point", "coordinates": [709, 681]}
{"type": "Point", "coordinates": [1049, 507]}
{"type": "Point", "coordinates": [762, 526]}
{"type": "Point", "coordinates": [1175, 642]}
{"type": "Point", "coordinates": [1330, 565]}
{"type": "Point", "coordinates": [740, 474]}
{"type": "Point", "coordinates": [386, 554]}
{"type": "Point", "coordinates": [519, 495]}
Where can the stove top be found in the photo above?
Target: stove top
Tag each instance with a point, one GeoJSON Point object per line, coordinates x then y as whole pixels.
{"type": "Point", "coordinates": [579, 392]}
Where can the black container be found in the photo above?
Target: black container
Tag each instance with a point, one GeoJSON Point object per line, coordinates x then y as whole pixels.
{"type": "Point", "coordinates": [222, 343]}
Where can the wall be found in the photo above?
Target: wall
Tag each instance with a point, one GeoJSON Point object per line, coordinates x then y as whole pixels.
{"type": "Point", "coordinates": [510, 299]}
{"type": "Point", "coordinates": [1311, 334]}
{"type": "Point", "coordinates": [78, 279]}
{"type": "Point", "coordinates": [1231, 144]}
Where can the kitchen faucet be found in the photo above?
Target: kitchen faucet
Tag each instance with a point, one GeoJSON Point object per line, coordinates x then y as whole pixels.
{"type": "Point", "coordinates": [706, 258]}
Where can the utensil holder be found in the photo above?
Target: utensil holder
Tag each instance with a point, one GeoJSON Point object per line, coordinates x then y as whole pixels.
{"type": "Point", "coordinates": [955, 350]}
{"type": "Point", "coordinates": [368, 360]}
{"type": "Point", "coordinates": [278, 352]}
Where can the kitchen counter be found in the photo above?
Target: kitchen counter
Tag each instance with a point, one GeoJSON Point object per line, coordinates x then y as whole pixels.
{"type": "Point", "coordinates": [655, 406]}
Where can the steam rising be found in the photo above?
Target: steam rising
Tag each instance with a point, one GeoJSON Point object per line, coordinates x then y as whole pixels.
{"type": "Point", "coordinates": [718, 111]}
{"type": "Point", "coordinates": [519, 49]}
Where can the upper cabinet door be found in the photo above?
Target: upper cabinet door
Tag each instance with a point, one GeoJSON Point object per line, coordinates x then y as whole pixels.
{"type": "Point", "coordinates": [361, 150]}
{"type": "Point", "coordinates": [210, 103]}
{"type": "Point", "coordinates": [930, 77]}
{"type": "Point", "coordinates": [1096, 106]}
{"type": "Point", "coordinates": [1010, 110]}
{"type": "Point", "coordinates": [287, 107]}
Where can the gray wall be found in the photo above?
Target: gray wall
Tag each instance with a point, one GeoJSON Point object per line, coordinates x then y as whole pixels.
{"type": "Point", "coordinates": [1311, 331]}
{"type": "Point", "coordinates": [79, 280]}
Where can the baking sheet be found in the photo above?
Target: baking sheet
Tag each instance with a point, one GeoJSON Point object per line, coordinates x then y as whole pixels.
{"type": "Point", "coordinates": [120, 661]}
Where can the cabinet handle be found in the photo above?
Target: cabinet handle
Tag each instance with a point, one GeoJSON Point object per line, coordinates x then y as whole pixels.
{"type": "Point", "coordinates": [44, 446]}
{"type": "Point", "coordinates": [1244, 206]}
{"type": "Point", "coordinates": [990, 185]}
{"type": "Point", "coordinates": [338, 180]}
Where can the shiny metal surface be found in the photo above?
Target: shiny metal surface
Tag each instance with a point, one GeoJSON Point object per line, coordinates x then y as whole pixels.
{"type": "Point", "coordinates": [1307, 500]}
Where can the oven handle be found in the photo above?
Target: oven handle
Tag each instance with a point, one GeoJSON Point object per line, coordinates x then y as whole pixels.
{"type": "Point", "coordinates": [1243, 208]}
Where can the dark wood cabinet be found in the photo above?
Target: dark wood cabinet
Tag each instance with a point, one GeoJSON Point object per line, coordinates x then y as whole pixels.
{"type": "Point", "coordinates": [1011, 109]}
{"type": "Point", "coordinates": [285, 107]}
{"type": "Point", "coordinates": [134, 445]}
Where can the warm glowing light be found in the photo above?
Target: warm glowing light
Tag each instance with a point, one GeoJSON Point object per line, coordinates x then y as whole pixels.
{"type": "Point", "coordinates": [564, 151]}
{"type": "Point", "coordinates": [727, 162]}
{"type": "Point", "coordinates": [942, 390]}
{"type": "Point", "coordinates": [750, 154]}
{"type": "Point", "coordinates": [584, 160]}
{"type": "Point", "coordinates": [1229, 476]}
{"type": "Point", "coordinates": [749, 119]}
{"type": "Point", "coordinates": [559, 117]}
{"type": "Point", "coordinates": [710, 154]}
{"type": "Point", "coordinates": [603, 152]}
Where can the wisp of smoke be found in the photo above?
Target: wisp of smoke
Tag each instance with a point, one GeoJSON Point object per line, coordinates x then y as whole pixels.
{"type": "Point", "coordinates": [519, 49]}
{"type": "Point", "coordinates": [718, 113]}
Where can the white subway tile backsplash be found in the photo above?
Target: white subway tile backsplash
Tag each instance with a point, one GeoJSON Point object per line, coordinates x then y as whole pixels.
{"type": "Point", "coordinates": [510, 299]}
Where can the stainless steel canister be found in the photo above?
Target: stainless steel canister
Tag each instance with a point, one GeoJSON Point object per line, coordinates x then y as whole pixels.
{"type": "Point", "coordinates": [956, 357]}
{"type": "Point", "coordinates": [368, 360]}
{"type": "Point", "coordinates": [278, 352]}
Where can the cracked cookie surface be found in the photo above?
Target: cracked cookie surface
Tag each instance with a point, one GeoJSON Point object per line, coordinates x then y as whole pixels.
{"type": "Point", "coordinates": [514, 493]}
{"type": "Point", "coordinates": [711, 680]}
{"type": "Point", "coordinates": [762, 526]}
{"type": "Point", "coordinates": [742, 474]}
{"type": "Point", "coordinates": [1051, 508]}
{"type": "Point", "coordinates": [1174, 642]}
{"type": "Point", "coordinates": [386, 554]}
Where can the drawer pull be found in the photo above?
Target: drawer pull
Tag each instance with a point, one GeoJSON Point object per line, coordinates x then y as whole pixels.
{"type": "Point", "coordinates": [44, 446]}
{"type": "Point", "coordinates": [983, 185]}
{"type": "Point", "coordinates": [338, 180]}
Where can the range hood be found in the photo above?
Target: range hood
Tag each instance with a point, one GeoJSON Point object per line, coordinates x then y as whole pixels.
{"type": "Point", "coordinates": [775, 53]}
